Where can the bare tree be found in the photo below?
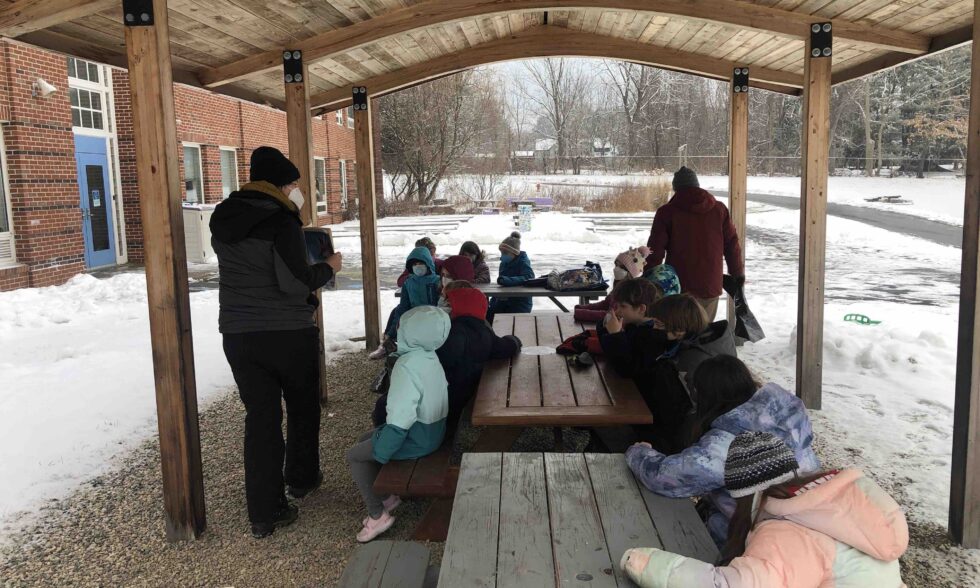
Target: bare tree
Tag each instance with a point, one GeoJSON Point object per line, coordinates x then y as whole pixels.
{"type": "Point", "coordinates": [557, 90]}
{"type": "Point", "coordinates": [635, 87]}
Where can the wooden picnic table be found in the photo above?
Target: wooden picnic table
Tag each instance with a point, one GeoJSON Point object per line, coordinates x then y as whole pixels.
{"type": "Point", "coordinates": [584, 296]}
{"type": "Point", "coordinates": [544, 390]}
{"type": "Point", "coordinates": [530, 520]}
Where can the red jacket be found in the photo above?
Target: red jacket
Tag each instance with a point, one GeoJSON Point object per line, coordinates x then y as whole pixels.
{"type": "Point", "coordinates": [695, 231]}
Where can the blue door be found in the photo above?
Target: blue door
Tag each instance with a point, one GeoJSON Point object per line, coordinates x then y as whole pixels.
{"type": "Point", "coordinates": [96, 203]}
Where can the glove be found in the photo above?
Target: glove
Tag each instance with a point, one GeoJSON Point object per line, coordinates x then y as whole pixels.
{"type": "Point", "coordinates": [739, 281]}
{"type": "Point", "coordinates": [515, 340]}
{"type": "Point", "coordinates": [500, 280]}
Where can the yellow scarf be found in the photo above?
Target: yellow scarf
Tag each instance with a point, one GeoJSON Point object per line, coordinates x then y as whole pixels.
{"type": "Point", "coordinates": [270, 190]}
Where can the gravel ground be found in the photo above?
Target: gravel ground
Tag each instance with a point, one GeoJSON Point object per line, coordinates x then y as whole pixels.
{"type": "Point", "coordinates": [110, 532]}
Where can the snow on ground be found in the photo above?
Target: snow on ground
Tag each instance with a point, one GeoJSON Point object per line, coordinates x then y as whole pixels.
{"type": "Point", "coordinates": [78, 385]}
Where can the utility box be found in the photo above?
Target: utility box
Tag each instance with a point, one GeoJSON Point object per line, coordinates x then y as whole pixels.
{"type": "Point", "coordinates": [197, 232]}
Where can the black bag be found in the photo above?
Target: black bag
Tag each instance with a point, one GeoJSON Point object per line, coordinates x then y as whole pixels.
{"type": "Point", "coordinates": [667, 396]}
{"type": "Point", "coordinates": [747, 327]}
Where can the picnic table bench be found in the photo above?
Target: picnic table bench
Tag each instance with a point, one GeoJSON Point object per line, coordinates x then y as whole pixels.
{"type": "Point", "coordinates": [584, 296]}
{"type": "Point", "coordinates": [531, 520]}
{"type": "Point", "coordinates": [387, 564]}
{"type": "Point", "coordinates": [432, 476]}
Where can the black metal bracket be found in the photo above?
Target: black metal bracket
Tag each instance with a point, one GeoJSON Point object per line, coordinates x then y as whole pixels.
{"type": "Point", "coordinates": [292, 66]}
{"type": "Point", "coordinates": [360, 98]}
{"type": "Point", "coordinates": [138, 13]}
{"type": "Point", "coordinates": [821, 39]}
{"type": "Point", "coordinates": [740, 80]}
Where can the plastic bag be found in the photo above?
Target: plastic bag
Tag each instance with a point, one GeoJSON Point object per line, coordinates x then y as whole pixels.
{"type": "Point", "coordinates": [746, 325]}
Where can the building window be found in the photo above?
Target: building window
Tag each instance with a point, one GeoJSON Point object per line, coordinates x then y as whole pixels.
{"type": "Point", "coordinates": [86, 109]}
{"type": "Point", "coordinates": [340, 117]}
{"type": "Point", "coordinates": [320, 173]}
{"type": "Point", "coordinates": [229, 171]}
{"type": "Point", "coordinates": [6, 237]}
{"type": "Point", "coordinates": [350, 117]}
{"type": "Point", "coordinates": [84, 70]}
{"type": "Point", "coordinates": [343, 185]}
{"type": "Point", "coordinates": [193, 185]}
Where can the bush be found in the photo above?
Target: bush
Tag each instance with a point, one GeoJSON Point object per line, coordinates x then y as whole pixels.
{"type": "Point", "coordinates": [645, 197]}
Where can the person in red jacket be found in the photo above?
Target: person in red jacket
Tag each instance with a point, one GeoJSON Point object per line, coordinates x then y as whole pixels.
{"type": "Point", "coordinates": [694, 231]}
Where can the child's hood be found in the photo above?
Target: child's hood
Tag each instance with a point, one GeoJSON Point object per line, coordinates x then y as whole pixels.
{"type": "Point", "coordinates": [852, 509]}
{"type": "Point", "coordinates": [421, 254]}
{"type": "Point", "coordinates": [423, 328]}
{"type": "Point", "coordinates": [468, 302]}
{"type": "Point", "coordinates": [771, 409]}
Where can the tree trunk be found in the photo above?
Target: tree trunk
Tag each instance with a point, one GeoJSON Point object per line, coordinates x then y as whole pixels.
{"type": "Point", "coordinates": [869, 147]}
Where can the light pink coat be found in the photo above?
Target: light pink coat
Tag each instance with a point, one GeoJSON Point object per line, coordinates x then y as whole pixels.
{"type": "Point", "coordinates": [844, 532]}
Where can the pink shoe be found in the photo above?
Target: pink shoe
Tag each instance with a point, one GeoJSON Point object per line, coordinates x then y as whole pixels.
{"type": "Point", "coordinates": [391, 503]}
{"type": "Point", "coordinates": [374, 527]}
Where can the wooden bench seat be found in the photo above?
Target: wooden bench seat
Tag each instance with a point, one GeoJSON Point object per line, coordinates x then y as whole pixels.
{"type": "Point", "coordinates": [387, 564]}
{"type": "Point", "coordinates": [431, 476]}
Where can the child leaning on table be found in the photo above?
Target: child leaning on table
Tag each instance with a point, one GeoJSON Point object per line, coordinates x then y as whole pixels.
{"type": "Point", "coordinates": [416, 413]}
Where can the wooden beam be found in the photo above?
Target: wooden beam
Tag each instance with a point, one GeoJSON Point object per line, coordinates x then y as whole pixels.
{"type": "Point", "coordinates": [23, 16]}
{"type": "Point", "coordinates": [552, 42]}
{"type": "Point", "coordinates": [158, 175]}
{"type": "Point", "coordinates": [964, 497]}
{"type": "Point", "coordinates": [813, 226]}
{"type": "Point", "coordinates": [738, 152]}
{"type": "Point", "coordinates": [438, 12]}
{"type": "Point", "coordinates": [368, 211]}
{"type": "Point", "coordinates": [887, 61]}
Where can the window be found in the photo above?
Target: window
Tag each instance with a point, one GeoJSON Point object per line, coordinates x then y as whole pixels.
{"type": "Point", "coordinates": [320, 173]}
{"type": "Point", "coordinates": [86, 109]}
{"type": "Point", "coordinates": [193, 186]}
{"type": "Point", "coordinates": [340, 117]}
{"type": "Point", "coordinates": [343, 185]}
{"type": "Point", "coordinates": [350, 117]}
{"type": "Point", "coordinates": [229, 172]}
{"type": "Point", "coordinates": [83, 70]}
{"type": "Point", "coordinates": [6, 237]}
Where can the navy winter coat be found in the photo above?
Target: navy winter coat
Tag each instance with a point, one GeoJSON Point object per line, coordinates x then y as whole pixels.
{"type": "Point", "coordinates": [513, 273]}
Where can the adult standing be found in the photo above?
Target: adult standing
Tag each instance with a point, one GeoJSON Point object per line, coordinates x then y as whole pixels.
{"type": "Point", "coordinates": [695, 231]}
{"type": "Point", "coordinates": [267, 299]}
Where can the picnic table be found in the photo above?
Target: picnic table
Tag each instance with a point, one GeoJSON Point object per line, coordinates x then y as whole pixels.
{"type": "Point", "coordinates": [530, 520]}
{"type": "Point", "coordinates": [584, 296]}
{"type": "Point", "coordinates": [544, 390]}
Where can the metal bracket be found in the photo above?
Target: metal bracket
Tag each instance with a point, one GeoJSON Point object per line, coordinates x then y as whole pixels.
{"type": "Point", "coordinates": [740, 80]}
{"type": "Point", "coordinates": [292, 66]}
{"type": "Point", "coordinates": [821, 39]}
{"type": "Point", "coordinates": [138, 13]}
{"type": "Point", "coordinates": [360, 98]}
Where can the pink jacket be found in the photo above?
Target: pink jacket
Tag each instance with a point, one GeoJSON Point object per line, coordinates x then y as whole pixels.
{"type": "Point", "coordinates": [846, 531]}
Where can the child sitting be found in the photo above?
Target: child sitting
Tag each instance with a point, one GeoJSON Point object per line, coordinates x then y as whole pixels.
{"type": "Point", "coordinates": [627, 265]}
{"type": "Point", "coordinates": [729, 402]}
{"type": "Point", "coordinates": [481, 271]}
{"type": "Point", "coordinates": [471, 343]}
{"type": "Point", "coordinates": [835, 528]}
{"type": "Point", "coordinates": [515, 269]}
{"type": "Point", "coordinates": [428, 244]}
{"type": "Point", "coordinates": [457, 267]}
{"type": "Point", "coordinates": [421, 288]}
{"type": "Point", "coordinates": [416, 414]}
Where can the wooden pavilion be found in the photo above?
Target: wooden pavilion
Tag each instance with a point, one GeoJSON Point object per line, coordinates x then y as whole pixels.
{"type": "Point", "coordinates": [306, 56]}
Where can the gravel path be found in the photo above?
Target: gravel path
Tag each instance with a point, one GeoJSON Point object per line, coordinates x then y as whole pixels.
{"type": "Point", "coordinates": [110, 532]}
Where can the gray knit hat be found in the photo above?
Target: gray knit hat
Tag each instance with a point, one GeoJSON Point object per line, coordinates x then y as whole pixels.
{"type": "Point", "coordinates": [757, 461]}
{"type": "Point", "coordinates": [685, 178]}
{"type": "Point", "coordinates": [512, 244]}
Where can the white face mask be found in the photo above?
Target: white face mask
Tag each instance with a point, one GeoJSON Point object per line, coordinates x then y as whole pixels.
{"type": "Point", "coordinates": [446, 280]}
{"type": "Point", "coordinates": [296, 197]}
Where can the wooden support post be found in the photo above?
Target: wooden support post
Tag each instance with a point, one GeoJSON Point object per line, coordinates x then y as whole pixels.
{"type": "Point", "coordinates": [368, 211]}
{"type": "Point", "coordinates": [155, 130]}
{"type": "Point", "coordinates": [964, 499]}
{"type": "Point", "coordinates": [813, 214]}
{"type": "Point", "coordinates": [299, 126]}
{"type": "Point", "coordinates": [738, 150]}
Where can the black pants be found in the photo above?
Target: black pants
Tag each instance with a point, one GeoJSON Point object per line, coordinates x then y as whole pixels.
{"type": "Point", "coordinates": [271, 366]}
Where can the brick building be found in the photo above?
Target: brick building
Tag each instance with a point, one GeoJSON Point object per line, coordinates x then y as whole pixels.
{"type": "Point", "coordinates": [69, 198]}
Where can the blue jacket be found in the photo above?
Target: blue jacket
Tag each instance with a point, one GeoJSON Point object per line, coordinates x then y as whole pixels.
{"type": "Point", "coordinates": [420, 290]}
{"type": "Point", "coordinates": [699, 470]}
{"type": "Point", "coordinates": [418, 400]}
{"type": "Point", "coordinates": [513, 273]}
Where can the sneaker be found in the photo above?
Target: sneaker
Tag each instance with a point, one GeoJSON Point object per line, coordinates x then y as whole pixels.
{"type": "Point", "coordinates": [374, 527]}
{"type": "Point", "coordinates": [380, 353]}
{"type": "Point", "coordinates": [285, 517]}
{"type": "Point", "coordinates": [391, 503]}
{"type": "Point", "coordinates": [297, 492]}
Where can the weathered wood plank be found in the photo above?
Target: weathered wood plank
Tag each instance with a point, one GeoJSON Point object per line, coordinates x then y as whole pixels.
{"type": "Point", "coordinates": [581, 555]}
{"type": "Point", "coordinates": [406, 565]}
{"type": "Point", "coordinates": [623, 392]}
{"type": "Point", "coordinates": [625, 519]}
{"type": "Point", "coordinates": [394, 477]}
{"type": "Point", "coordinates": [366, 567]}
{"type": "Point", "coordinates": [679, 526]}
{"type": "Point", "coordinates": [368, 210]}
{"type": "Point", "coordinates": [503, 324]}
{"type": "Point", "coordinates": [525, 378]}
{"type": "Point", "coordinates": [430, 474]}
{"type": "Point", "coordinates": [524, 555]}
{"type": "Point", "coordinates": [738, 140]}
{"type": "Point", "coordinates": [556, 385]}
{"type": "Point", "coordinates": [470, 558]}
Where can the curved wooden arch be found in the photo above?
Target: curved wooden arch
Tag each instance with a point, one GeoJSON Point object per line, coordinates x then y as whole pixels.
{"type": "Point", "coordinates": [556, 42]}
{"type": "Point", "coordinates": [436, 12]}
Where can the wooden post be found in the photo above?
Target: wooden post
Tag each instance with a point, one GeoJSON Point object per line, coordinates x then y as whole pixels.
{"type": "Point", "coordinates": [738, 149]}
{"type": "Point", "coordinates": [367, 209]}
{"type": "Point", "coordinates": [813, 214]}
{"type": "Point", "coordinates": [299, 127]}
{"type": "Point", "coordinates": [155, 130]}
{"type": "Point", "coordinates": [964, 498]}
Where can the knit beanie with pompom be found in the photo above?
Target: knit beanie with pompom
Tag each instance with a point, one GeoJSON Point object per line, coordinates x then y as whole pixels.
{"type": "Point", "coordinates": [512, 244]}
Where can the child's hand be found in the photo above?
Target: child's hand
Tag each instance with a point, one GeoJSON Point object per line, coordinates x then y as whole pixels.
{"type": "Point", "coordinates": [643, 444]}
{"type": "Point", "coordinates": [613, 323]}
{"type": "Point", "coordinates": [658, 324]}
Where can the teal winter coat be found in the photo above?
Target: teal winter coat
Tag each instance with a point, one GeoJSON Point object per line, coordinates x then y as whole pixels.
{"type": "Point", "coordinates": [418, 400]}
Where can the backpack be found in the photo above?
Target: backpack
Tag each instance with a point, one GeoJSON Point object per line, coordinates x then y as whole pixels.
{"type": "Point", "coordinates": [580, 278]}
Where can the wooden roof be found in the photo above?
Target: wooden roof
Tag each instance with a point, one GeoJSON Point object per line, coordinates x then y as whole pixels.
{"type": "Point", "coordinates": [235, 46]}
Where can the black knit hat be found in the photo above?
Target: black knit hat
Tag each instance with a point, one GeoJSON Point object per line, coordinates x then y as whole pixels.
{"type": "Point", "coordinates": [685, 178]}
{"type": "Point", "coordinates": [757, 461]}
{"type": "Point", "coordinates": [268, 164]}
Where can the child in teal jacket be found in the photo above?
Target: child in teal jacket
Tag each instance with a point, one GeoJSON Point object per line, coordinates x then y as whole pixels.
{"type": "Point", "coordinates": [417, 407]}
{"type": "Point", "coordinates": [421, 287]}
